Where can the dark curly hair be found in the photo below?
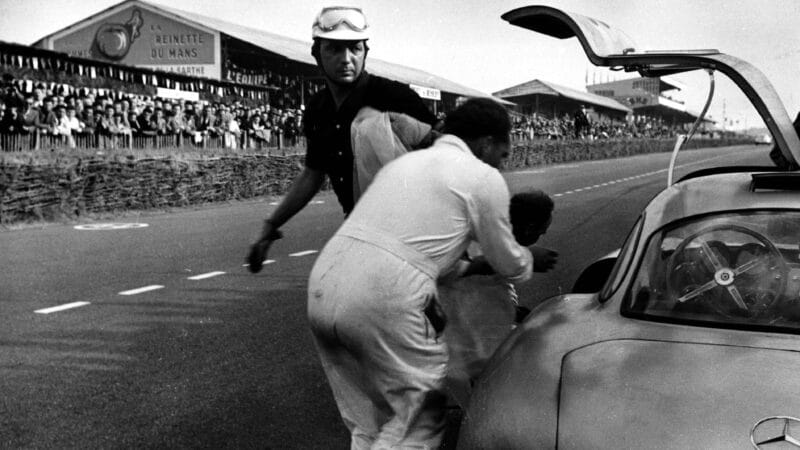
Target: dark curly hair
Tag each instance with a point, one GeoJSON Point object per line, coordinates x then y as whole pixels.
{"type": "Point", "coordinates": [479, 117]}
{"type": "Point", "coordinates": [530, 211]}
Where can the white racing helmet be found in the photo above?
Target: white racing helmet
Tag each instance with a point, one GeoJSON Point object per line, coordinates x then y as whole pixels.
{"type": "Point", "coordinates": [340, 23]}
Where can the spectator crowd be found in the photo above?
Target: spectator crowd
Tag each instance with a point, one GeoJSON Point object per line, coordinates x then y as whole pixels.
{"type": "Point", "coordinates": [104, 118]}
{"type": "Point", "coordinates": [567, 127]}
{"type": "Point", "coordinates": [57, 114]}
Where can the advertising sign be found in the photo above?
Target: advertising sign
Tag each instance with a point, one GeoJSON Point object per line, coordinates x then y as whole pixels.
{"type": "Point", "coordinates": [177, 94]}
{"type": "Point", "coordinates": [139, 37]}
{"type": "Point", "coordinates": [427, 92]}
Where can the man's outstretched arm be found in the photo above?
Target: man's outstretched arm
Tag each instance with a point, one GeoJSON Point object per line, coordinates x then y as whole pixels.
{"type": "Point", "coordinates": [303, 189]}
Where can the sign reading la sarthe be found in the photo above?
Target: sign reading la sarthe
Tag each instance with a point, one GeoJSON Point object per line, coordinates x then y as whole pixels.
{"type": "Point", "coordinates": [137, 36]}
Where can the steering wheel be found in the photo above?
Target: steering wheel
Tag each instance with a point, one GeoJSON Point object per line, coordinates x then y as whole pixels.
{"type": "Point", "coordinates": [748, 285]}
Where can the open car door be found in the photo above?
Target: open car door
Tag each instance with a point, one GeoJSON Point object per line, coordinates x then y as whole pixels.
{"type": "Point", "coordinates": [608, 47]}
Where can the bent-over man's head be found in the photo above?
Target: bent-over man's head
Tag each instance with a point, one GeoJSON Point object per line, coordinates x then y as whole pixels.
{"type": "Point", "coordinates": [483, 124]}
{"type": "Point", "coordinates": [340, 36]}
{"type": "Point", "coordinates": [531, 214]}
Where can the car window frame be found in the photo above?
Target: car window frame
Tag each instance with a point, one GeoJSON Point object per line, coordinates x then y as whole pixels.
{"type": "Point", "coordinates": [625, 305]}
{"type": "Point", "coordinates": [624, 260]}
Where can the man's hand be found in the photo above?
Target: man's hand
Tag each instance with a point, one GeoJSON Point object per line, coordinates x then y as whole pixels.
{"type": "Point", "coordinates": [544, 259]}
{"type": "Point", "coordinates": [258, 251]}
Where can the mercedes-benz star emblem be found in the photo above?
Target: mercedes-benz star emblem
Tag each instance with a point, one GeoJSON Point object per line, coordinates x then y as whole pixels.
{"type": "Point", "coordinates": [773, 430]}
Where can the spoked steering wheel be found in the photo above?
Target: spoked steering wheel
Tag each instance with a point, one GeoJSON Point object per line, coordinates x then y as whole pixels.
{"type": "Point", "coordinates": [748, 285]}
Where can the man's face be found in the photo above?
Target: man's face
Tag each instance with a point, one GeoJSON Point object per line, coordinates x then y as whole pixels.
{"type": "Point", "coordinates": [342, 61]}
{"type": "Point", "coordinates": [531, 233]}
{"type": "Point", "coordinates": [495, 151]}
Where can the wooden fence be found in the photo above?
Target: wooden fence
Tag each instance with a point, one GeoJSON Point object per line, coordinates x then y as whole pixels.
{"type": "Point", "coordinates": [245, 142]}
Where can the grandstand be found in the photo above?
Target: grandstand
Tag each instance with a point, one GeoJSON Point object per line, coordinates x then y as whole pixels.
{"type": "Point", "coordinates": [143, 34]}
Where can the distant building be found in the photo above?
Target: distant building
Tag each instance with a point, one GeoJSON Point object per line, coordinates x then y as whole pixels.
{"type": "Point", "coordinates": [552, 100]}
{"type": "Point", "coordinates": [654, 98]}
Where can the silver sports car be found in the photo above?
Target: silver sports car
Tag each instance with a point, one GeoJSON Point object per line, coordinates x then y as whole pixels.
{"type": "Point", "coordinates": [690, 336]}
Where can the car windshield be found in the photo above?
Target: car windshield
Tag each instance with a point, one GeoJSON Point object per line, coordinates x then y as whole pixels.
{"type": "Point", "coordinates": [738, 269]}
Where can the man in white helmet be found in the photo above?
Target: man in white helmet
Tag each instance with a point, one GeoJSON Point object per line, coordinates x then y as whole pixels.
{"type": "Point", "coordinates": [340, 48]}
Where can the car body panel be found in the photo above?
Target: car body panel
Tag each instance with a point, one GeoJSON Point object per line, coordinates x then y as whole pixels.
{"type": "Point", "coordinates": [515, 403]}
{"type": "Point", "coordinates": [679, 394]}
{"type": "Point", "coordinates": [715, 193]}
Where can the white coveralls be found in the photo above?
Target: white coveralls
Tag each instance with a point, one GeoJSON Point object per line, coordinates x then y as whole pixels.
{"type": "Point", "coordinates": [479, 309]}
{"type": "Point", "coordinates": [373, 282]}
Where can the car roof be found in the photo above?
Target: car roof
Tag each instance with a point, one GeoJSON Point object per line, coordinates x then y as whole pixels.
{"type": "Point", "coordinates": [721, 193]}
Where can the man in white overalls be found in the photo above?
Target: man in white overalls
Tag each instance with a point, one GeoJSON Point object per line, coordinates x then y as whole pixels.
{"type": "Point", "coordinates": [372, 292]}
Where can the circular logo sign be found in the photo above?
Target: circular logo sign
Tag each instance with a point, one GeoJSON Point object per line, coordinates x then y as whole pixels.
{"type": "Point", "coordinates": [109, 226]}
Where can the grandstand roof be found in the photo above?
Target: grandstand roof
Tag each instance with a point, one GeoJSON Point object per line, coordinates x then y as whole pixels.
{"type": "Point", "coordinates": [539, 87]}
{"type": "Point", "coordinates": [293, 49]}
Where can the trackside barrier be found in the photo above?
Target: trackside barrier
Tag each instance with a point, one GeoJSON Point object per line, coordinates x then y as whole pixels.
{"type": "Point", "coordinates": [242, 141]}
{"type": "Point", "coordinates": [67, 183]}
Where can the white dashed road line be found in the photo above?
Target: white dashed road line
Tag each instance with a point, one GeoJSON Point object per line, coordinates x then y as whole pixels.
{"type": "Point", "coordinates": [141, 290]}
{"type": "Point", "coordinates": [206, 275]}
{"type": "Point", "coordinates": [266, 261]}
{"type": "Point", "coordinates": [612, 182]}
{"type": "Point", "coordinates": [61, 307]}
{"type": "Point", "coordinates": [304, 253]}
{"type": "Point", "coordinates": [608, 183]}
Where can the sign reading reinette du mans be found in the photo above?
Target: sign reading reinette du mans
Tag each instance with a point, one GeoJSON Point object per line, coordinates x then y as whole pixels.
{"type": "Point", "coordinates": [140, 37]}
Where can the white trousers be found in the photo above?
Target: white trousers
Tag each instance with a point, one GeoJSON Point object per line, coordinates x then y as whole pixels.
{"type": "Point", "coordinates": [384, 360]}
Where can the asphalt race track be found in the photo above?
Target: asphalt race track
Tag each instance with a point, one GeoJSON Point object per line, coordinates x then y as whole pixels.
{"type": "Point", "coordinates": [156, 336]}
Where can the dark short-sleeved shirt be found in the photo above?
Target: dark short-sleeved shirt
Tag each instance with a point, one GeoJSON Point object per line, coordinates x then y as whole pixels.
{"type": "Point", "coordinates": [328, 130]}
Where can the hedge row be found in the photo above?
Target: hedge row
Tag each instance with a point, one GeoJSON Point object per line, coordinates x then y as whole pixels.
{"type": "Point", "coordinates": [556, 152]}
{"type": "Point", "coordinates": [71, 187]}
{"type": "Point", "coordinates": [41, 186]}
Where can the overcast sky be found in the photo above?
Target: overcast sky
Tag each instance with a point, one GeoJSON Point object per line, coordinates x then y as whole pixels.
{"type": "Point", "coordinates": [467, 41]}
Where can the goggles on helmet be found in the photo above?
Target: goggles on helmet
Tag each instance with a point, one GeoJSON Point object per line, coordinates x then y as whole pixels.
{"type": "Point", "coordinates": [340, 22]}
